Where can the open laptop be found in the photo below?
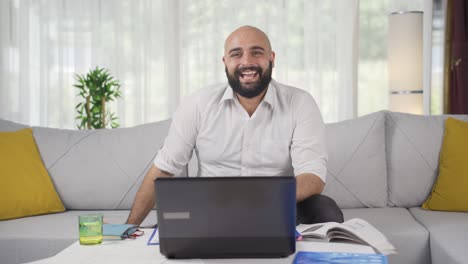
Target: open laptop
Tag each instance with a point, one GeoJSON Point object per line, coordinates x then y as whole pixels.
{"type": "Point", "coordinates": [226, 217]}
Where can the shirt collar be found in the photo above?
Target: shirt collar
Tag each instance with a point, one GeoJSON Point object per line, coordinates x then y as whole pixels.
{"type": "Point", "coordinates": [270, 96]}
{"type": "Point", "coordinates": [228, 94]}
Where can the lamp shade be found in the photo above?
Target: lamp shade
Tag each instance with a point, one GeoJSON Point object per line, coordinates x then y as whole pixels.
{"type": "Point", "coordinates": [405, 61]}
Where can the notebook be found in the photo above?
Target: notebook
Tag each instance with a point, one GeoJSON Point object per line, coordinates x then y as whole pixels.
{"type": "Point", "coordinates": [305, 257]}
{"type": "Point", "coordinates": [226, 217]}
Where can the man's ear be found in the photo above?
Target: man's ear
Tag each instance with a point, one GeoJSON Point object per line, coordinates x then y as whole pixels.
{"type": "Point", "coordinates": [272, 58]}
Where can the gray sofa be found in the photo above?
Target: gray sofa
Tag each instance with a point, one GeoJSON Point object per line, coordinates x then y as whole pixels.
{"type": "Point", "coordinates": [381, 168]}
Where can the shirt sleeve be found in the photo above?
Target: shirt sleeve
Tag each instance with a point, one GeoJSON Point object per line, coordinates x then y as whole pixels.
{"type": "Point", "coordinates": [180, 141]}
{"type": "Point", "coordinates": [308, 147]}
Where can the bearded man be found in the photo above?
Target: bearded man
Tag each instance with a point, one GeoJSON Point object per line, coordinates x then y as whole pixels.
{"type": "Point", "coordinates": [251, 126]}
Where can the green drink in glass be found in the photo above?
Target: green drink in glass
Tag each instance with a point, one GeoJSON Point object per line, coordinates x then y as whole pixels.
{"type": "Point", "coordinates": [90, 227]}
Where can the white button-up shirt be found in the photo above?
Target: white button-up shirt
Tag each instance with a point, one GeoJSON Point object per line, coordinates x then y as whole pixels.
{"type": "Point", "coordinates": [284, 136]}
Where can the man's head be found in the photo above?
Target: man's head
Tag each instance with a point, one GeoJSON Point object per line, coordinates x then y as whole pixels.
{"type": "Point", "coordinates": [249, 61]}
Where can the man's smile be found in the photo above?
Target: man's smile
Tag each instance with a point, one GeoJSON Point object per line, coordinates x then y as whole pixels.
{"type": "Point", "coordinates": [249, 76]}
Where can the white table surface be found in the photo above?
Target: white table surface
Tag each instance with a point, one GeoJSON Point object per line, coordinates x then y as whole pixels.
{"type": "Point", "coordinates": [137, 251]}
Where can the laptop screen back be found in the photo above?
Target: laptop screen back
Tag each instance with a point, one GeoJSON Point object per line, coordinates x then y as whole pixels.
{"type": "Point", "coordinates": [216, 217]}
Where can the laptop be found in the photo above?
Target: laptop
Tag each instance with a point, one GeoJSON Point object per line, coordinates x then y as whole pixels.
{"type": "Point", "coordinates": [226, 217]}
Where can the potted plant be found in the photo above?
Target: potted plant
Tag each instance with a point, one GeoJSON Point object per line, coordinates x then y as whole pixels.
{"type": "Point", "coordinates": [96, 88]}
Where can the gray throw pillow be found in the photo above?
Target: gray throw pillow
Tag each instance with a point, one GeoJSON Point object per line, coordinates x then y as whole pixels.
{"type": "Point", "coordinates": [357, 172]}
{"type": "Point", "coordinates": [413, 149]}
{"type": "Point", "coordinates": [99, 169]}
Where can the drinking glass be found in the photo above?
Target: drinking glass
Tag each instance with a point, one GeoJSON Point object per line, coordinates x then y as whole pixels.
{"type": "Point", "coordinates": [90, 227]}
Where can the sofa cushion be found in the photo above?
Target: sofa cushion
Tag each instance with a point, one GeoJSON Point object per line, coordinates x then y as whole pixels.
{"type": "Point", "coordinates": [449, 231]}
{"type": "Point", "coordinates": [32, 238]}
{"type": "Point", "coordinates": [26, 186]}
{"type": "Point", "coordinates": [357, 174]}
{"type": "Point", "coordinates": [409, 237]}
{"type": "Point", "coordinates": [99, 169]}
{"type": "Point", "coordinates": [413, 144]}
{"type": "Point", "coordinates": [449, 192]}
{"type": "Point", "coordinates": [6, 125]}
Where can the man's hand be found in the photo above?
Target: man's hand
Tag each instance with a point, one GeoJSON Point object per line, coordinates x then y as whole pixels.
{"type": "Point", "coordinates": [308, 184]}
{"type": "Point", "coordinates": [145, 197]}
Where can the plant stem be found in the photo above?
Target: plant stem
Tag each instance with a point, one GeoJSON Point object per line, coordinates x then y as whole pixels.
{"type": "Point", "coordinates": [88, 114]}
{"type": "Point", "coordinates": [103, 111]}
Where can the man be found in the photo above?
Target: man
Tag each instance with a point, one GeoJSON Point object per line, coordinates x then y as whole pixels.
{"type": "Point", "coordinates": [252, 127]}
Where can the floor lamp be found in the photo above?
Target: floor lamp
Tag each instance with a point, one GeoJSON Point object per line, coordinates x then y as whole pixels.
{"type": "Point", "coordinates": [405, 61]}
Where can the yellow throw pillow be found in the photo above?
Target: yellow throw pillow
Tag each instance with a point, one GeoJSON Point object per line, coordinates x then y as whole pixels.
{"type": "Point", "coordinates": [450, 192]}
{"type": "Point", "coordinates": [26, 188]}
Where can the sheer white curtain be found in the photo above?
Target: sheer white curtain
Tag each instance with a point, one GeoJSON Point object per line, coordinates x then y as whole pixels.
{"type": "Point", "coordinates": [315, 43]}
{"type": "Point", "coordinates": [43, 43]}
{"type": "Point", "coordinates": [162, 50]}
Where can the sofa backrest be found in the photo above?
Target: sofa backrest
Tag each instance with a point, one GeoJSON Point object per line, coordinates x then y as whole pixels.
{"type": "Point", "coordinates": [413, 145]}
{"type": "Point", "coordinates": [7, 126]}
{"type": "Point", "coordinates": [357, 174]}
{"type": "Point", "coordinates": [97, 169]}
{"type": "Point", "coordinates": [377, 160]}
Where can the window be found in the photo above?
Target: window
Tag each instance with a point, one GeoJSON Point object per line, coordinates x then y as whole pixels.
{"type": "Point", "coordinates": [162, 50]}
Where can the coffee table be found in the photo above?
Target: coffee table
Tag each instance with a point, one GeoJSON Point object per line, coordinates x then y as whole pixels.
{"type": "Point", "coordinates": [137, 251]}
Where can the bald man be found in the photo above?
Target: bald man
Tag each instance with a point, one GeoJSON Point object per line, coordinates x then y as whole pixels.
{"type": "Point", "coordinates": [251, 126]}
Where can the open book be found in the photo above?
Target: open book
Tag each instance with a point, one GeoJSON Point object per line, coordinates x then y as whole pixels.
{"type": "Point", "coordinates": [354, 230]}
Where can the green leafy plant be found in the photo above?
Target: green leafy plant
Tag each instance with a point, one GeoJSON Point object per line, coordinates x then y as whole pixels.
{"type": "Point", "coordinates": [97, 88]}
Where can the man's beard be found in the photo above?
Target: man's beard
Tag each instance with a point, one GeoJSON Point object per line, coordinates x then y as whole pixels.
{"type": "Point", "coordinates": [255, 88]}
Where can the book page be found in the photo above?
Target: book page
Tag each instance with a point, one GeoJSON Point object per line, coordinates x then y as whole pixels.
{"type": "Point", "coordinates": [315, 230]}
{"type": "Point", "coordinates": [337, 236]}
{"type": "Point", "coordinates": [360, 230]}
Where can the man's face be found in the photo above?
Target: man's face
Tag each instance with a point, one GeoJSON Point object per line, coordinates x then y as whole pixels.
{"type": "Point", "coordinates": [249, 62]}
